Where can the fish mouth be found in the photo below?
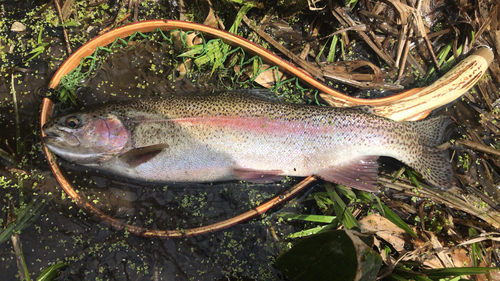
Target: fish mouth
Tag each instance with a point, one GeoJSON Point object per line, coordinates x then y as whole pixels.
{"type": "Point", "coordinates": [52, 140]}
{"type": "Point", "coordinates": [51, 135]}
{"type": "Point", "coordinates": [59, 139]}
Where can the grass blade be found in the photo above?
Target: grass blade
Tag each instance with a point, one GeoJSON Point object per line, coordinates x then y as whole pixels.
{"type": "Point", "coordinates": [312, 218]}
{"type": "Point", "coordinates": [51, 272]}
{"type": "Point", "coordinates": [395, 219]}
{"type": "Point", "coordinates": [343, 212]}
{"type": "Point", "coordinates": [26, 216]}
{"type": "Point", "coordinates": [457, 271]}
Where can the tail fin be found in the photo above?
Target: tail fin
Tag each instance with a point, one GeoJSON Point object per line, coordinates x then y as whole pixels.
{"type": "Point", "coordinates": [434, 164]}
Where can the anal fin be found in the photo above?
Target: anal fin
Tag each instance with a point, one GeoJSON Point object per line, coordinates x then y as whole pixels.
{"type": "Point", "coordinates": [361, 173]}
{"type": "Point", "coordinates": [138, 156]}
{"type": "Point", "coordinates": [258, 176]}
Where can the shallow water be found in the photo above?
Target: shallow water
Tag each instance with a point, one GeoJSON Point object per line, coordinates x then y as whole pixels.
{"type": "Point", "coordinates": [64, 232]}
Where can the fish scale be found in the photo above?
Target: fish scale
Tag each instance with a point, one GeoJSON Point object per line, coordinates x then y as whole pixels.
{"type": "Point", "coordinates": [227, 136]}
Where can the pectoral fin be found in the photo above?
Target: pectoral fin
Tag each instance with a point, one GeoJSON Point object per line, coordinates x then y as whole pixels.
{"type": "Point", "coordinates": [138, 156]}
{"type": "Point", "coordinates": [257, 176]}
{"type": "Point", "coordinates": [360, 174]}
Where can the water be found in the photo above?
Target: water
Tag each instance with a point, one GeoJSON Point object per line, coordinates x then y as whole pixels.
{"type": "Point", "coordinates": [95, 250]}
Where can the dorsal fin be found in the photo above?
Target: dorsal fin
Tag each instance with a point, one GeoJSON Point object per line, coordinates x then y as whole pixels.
{"type": "Point", "coordinates": [259, 94]}
{"type": "Point", "coordinates": [365, 108]}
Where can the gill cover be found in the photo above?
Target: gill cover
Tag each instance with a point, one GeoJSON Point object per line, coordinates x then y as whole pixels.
{"type": "Point", "coordinates": [85, 138]}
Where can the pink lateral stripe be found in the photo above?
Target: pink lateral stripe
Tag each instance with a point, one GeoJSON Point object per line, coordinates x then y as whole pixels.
{"type": "Point", "coordinates": [255, 125]}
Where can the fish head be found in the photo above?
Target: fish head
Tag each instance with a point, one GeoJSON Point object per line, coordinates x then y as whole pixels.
{"type": "Point", "coordinates": [87, 138]}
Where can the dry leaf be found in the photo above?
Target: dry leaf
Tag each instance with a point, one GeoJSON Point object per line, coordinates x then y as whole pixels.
{"type": "Point", "coordinates": [267, 78]}
{"type": "Point", "coordinates": [183, 68]}
{"type": "Point", "coordinates": [17, 26]}
{"type": "Point", "coordinates": [460, 257]}
{"type": "Point", "coordinates": [66, 9]}
{"type": "Point", "coordinates": [211, 20]}
{"type": "Point", "coordinates": [432, 262]}
{"type": "Point", "coordinates": [440, 251]}
{"type": "Point", "coordinates": [190, 40]}
{"type": "Point", "coordinates": [348, 68]}
{"type": "Point", "coordinates": [384, 229]}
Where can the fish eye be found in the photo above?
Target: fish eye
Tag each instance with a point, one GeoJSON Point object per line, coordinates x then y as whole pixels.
{"type": "Point", "coordinates": [72, 122]}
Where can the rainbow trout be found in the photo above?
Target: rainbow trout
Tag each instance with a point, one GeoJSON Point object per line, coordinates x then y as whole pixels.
{"type": "Point", "coordinates": [207, 138]}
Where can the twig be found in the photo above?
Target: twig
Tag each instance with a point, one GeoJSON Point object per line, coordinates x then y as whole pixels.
{"type": "Point", "coordinates": [485, 25]}
{"type": "Point", "coordinates": [182, 10]}
{"type": "Point", "coordinates": [18, 171]}
{"type": "Point", "coordinates": [16, 112]}
{"type": "Point", "coordinates": [422, 214]}
{"type": "Point", "coordinates": [478, 146]}
{"type": "Point", "coordinates": [431, 51]}
{"type": "Point", "coordinates": [16, 243]}
{"type": "Point", "coordinates": [472, 189]}
{"type": "Point", "coordinates": [451, 198]}
{"type": "Point", "coordinates": [68, 47]}
{"type": "Point", "coordinates": [348, 79]}
{"type": "Point", "coordinates": [415, 64]}
{"type": "Point", "coordinates": [403, 39]}
{"type": "Point", "coordinates": [420, 26]}
{"type": "Point", "coordinates": [483, 237]}
{"type": "Point", "coordinates": [129, 9]}
{"type": "Point", "coordinates": [314, 71]}
{"type": "Point", "coordinates": [390, 268]}
{"type": "Point", "coordinates": [405, 53]}
{"type": "Point", "coordinates": [379, 17]}
{"type": "Point", "coordinates": [438, 33]}
{"type": "Point", "coordinates": [363, 35]}
{"type": "Point", "coordinates": [445, 259]}
{"type": "Point", "coordinates": [12, 151]}
{"type": "Point", "coordinates": [117, 21]}
{"type": "Point", "coordinates": [136, 10]}
{"type": "Point", "coordinates": [11, 159]}
{"type": "Point", "coordinates": [358, 27]}
{"type": "Point", "coordinates": [471, 225]}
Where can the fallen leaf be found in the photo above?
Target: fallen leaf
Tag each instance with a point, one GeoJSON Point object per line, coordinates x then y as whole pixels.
{"type": "Point", "coordinates": [66, 9]}
{"type": "Point", "coordinates": [17, 26]}
{"type": "Point", "coordinates": [183, 68]}
{"type": "Point", "coordinates": [384, 229]}
{"type": "Point", "coordinates": [267, 78]}
{"type": "Point", "coordinates": [190, 39]}
{"type": "Point", "coordinates": [211, 19]}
